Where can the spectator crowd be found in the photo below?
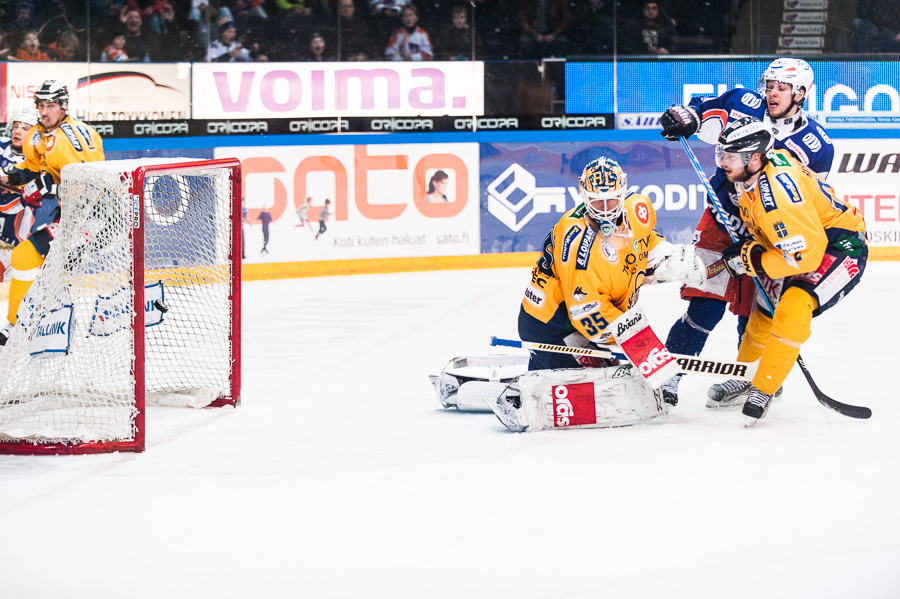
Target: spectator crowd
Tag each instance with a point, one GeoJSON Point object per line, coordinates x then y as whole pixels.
{"type": "Point", "coordinates": [346, 30]}
{"type": "Point", "coordinates": [353, 30]}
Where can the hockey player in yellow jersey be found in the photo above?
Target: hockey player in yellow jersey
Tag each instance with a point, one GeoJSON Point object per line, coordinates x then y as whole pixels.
{"type": "Point", "coordinates": [593, 263]}
{"type": "Point", "coordinates": [56, 141]}
{"type": "Point", "coordinates": [808, 250]}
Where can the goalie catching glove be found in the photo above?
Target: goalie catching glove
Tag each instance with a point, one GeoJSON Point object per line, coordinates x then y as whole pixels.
{"type": "Point", "coordinates": [679, 121]}
{"type": "Point", "coordinates": [682, 265]}
{"type": "Point", "coordinates": [744, 258]}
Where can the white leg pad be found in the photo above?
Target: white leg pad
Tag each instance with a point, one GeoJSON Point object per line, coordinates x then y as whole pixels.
{"type": "Point", "coordinates": [587, 398]}
{"type": "Point", "coordinates": [454, 386]}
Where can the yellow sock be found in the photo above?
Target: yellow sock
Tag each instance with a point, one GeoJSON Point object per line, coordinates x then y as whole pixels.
{"type": "Point", "coordinates": [26, 263]}
{"type": "Point", "coordinates": [755, 337]}
{"type": "Point", "coordinates": [790, 328]}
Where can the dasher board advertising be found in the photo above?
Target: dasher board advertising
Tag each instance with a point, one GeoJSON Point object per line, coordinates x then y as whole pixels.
{"type": "Point", "coordinates": [103, 91]}
{"type": "Point", "coordinates": [313, 90]}
{"type": "Point", "coordinates": [383, 201]}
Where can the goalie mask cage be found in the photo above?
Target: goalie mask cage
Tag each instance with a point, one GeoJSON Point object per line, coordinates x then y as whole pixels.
{"type": "Point", "coordinates": [138, 302]}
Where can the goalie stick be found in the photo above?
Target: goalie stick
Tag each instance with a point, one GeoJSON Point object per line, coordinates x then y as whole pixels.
{"type": "Point", "coordinates": [688, 364]}
{"type": "Point", "coordinates": [860, 412]}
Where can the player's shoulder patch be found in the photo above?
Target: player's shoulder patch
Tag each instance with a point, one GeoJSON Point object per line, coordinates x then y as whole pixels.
{"type": "Point", "coordinates": [639, 209]}
{"type": "Point", "coordinates": [765, 193]}
{"type": "Point", "coordinates": [584, 248]}
{"type": "Point", "coordinates": [571, 234]}
{"type": "Point", "coordinates": [70, 133]}
{"type": "Point", "coordinates": [789, 186]}
{"type": "Point", "coordinates": [36, 137]}
{"type": "Point", "coordinates": [779, 159]}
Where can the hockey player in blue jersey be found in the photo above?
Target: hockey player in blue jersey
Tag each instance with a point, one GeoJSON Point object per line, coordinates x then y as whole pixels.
{"type": "Point", "coordinates": [16, 218]}
{"type": "Point", "coordinates": [778, 102]}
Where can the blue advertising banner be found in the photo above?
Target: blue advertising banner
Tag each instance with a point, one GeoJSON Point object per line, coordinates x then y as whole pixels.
{"type": "Point", "coordinates": [840, 86]}
{"type": "Point", "coordinates": [526, 188]}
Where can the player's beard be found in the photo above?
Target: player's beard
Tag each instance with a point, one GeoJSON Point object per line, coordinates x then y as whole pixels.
{"type": "Point", "coordinates": [58, 121]}
{"type": "Point", "coordinates": [741, 176]}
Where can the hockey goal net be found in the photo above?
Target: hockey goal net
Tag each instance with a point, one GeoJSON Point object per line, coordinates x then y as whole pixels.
{"type": "Point", "coordinates": [138, 302]}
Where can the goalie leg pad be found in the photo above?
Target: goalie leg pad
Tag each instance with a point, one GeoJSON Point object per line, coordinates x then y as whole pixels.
{"type": "Point", "coordinates": [453, 386]}
{"type": "Point", "coordinates": [586, 398]}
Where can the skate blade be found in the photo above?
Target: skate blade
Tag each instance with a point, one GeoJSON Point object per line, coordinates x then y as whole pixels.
{"type": "Point", "coordinates": [731, 403]}
{"type": "Point", "coordinates": [750, 421]}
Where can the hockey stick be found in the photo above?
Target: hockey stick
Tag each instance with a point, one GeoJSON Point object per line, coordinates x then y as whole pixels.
{"type": "Point", "coordinates": [688, 364]}
{"type": "Point", "coordinates": [860, 412]}
{"type": "Point", "coordinates": [10, 188]}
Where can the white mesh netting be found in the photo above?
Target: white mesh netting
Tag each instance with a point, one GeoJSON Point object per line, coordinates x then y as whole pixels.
{"type": "Point", "coordinates": [86, 393]}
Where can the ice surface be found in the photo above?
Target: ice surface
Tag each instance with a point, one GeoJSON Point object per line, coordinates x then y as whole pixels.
{"type": "Point", "coordinates": [342, 476]}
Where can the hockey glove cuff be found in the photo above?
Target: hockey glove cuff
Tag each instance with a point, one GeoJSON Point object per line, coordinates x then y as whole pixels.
{"type": "Point", "coordinates": [679, 121]}
{"type": "Point", "coordinates": [744, 258]}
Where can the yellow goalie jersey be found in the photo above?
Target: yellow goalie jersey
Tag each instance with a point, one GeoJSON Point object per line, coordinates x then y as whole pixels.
{"type": "Point", "coordinates": [586, 281]}
{"type": "Point", "coordinates": [795, 215]}
{"type": "Point", "coordinates": [71, 142]}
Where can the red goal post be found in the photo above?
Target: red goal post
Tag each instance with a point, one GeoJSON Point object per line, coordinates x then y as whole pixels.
{"type": "Point", "coordinates": [137, 303]}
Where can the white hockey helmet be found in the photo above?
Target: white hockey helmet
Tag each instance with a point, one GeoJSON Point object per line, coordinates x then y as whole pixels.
{"type": "Point", "coordinates": [29, 116]}
{"type": "Point", "coordinates": [794, 71]}
{"type": "Point", "coordinates": [603, 186]}
{"type": "Point", "coordinates": [53, 91]}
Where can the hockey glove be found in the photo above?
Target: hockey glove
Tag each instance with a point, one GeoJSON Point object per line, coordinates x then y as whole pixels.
{"type": "Point", "coordinates": [743, 258]}
{"type": "Point", "coordinates": [682, 265]}
{"type": "Point", "coordinates": [679, 121]}
{"type": "Point", "coordinates": [31, 195]}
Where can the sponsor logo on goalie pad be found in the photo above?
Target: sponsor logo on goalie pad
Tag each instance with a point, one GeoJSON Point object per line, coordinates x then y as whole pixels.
{"type": "Point", "coordinates": [573, 405]}
{"type": "Point", "coordinates": [643, 347]}
{"type": "Point", "coordinates": [52, 334]}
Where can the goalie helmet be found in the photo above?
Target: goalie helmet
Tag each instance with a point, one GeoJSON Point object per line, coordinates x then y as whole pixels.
{"type": "Point", "coordinates": [603, 186]}
{"type": "Point", "coordinates": [745, 136]}
{"type": "Point", "coordinates": [794, 71]}
{"type": "Point", "coordinates": [29, 116]}
{"type": "Point", "coordinates": [53, 91]}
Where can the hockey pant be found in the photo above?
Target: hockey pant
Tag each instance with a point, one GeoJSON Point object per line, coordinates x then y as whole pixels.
{"type": "Point", "coordinates": [533, 330]}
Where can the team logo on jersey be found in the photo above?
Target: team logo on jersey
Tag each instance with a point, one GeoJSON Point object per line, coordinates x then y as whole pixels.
{"type": "Point", "coordinates": [51, 141]}
{"type": "Point", "coordinates": [584, 249]}
{"type": "Point", "coordinates": [578, 295]}
{"type": "Point", "coordinates": [789, 186]}
{"type": "Point", "coordinates": [609, 250]}
{"type": "Point", "coordinates": [570, 236]}
{"type": "Point", "coordinates": [642, 212]}
{"type": "Point", "coordinates": [765, 194]}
